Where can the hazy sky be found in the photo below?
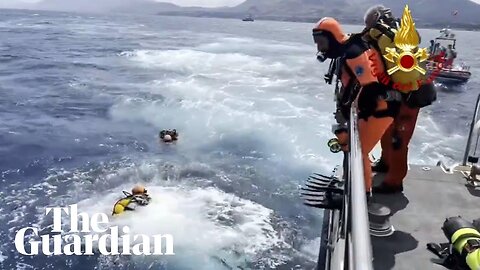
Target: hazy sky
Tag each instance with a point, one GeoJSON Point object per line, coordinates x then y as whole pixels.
{"type": "Point", "coordinates": [203, 3]}
{"type": "Point", "coordinates": [207, 3]}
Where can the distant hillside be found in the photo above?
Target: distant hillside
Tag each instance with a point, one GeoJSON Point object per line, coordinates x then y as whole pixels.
{"type": "Point", "coordinates": [131, 6]}
{"type": "Point", "coordinates": [425, 12]}
{"type": "Point", "coordinates": [124, 6]}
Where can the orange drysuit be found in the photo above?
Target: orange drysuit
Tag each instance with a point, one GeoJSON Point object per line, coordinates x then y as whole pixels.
{"type": "Point", "coordinates": [395, 145]}
{"type": "Point", "coordinates": [375, 113]}
{"type": "Point", "coordinates": [395, 141]}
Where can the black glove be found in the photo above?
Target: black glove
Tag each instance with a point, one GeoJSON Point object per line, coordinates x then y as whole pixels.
{"type": "Point", "coordinates": [368, 99]}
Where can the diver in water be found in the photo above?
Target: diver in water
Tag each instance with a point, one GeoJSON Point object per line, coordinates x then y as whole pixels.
{"type": "Point", "coordinates": [168, 136]}
{"type": "Point", "coordinates": [139, 196]}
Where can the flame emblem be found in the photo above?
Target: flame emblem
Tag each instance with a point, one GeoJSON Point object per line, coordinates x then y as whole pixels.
{"type": "Point", "coordinates": [405, 55]}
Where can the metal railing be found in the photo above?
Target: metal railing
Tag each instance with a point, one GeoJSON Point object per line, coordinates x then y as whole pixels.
{"type": "Point", "coordinates": [472, 127]}
{"type": "Point", "coordinates": [361, 246]}
{"type": "Point", "coordinates": [345, 240]}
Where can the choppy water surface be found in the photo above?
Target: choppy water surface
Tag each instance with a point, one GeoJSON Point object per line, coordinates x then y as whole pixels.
{"type": "Point", "coordinates": [84, 97]}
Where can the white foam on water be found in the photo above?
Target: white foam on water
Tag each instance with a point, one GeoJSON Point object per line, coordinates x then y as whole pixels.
{"type": "Point", "coordinates": [257, 75]}
{"type": "Point", "coordinates": [428, 146]}
{"type": "Point", "coordinates": [289, 131]}
{"type": "Point", "coordinates": [310, 248]}
{"type": "Point", "coordinates": [254, 46]}
{"type": "Point", "coordinates": [211, 228]}
{"type": "Point", "coordinates": [2, 257]}
{"type": "Point", "coordinates": [198, 62]}
{"type": "Point", "coordinates": [220, 94]}
{"type": "Point", "coordinates": [227, 87]}
{"type": "Point", "coordinates": [205, 223]}
{"type": "Point", "coordinates": [23, 266]}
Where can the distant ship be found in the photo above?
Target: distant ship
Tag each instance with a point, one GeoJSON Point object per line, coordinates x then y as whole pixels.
{"type": "Point", "coordinates": [248, 18]}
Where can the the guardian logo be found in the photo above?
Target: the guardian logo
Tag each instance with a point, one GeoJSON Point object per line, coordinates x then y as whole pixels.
{"type": "Point", "coordinates": [94, 237]}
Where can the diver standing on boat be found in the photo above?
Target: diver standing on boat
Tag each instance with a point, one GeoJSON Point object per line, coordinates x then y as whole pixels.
{"type": "Point", "coordinates": [432, 47]}
{"type": "Point", "coordinates": [380, 30]}
{"type": "Point", "coordinates": [450, 56]}
{"type": "Point", "coordinates": [377, 104]}
{"type": "Point", "coordinates": [395, 141]}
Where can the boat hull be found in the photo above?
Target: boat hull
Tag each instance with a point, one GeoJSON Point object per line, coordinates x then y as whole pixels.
{"type": "Point", "coordinates": [451, 76]}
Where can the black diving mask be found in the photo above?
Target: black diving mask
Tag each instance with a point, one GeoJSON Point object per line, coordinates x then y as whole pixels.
{"type": "Point", "coordinates": [321, 40]}
{"type": "Point", "coordinates": [327, 46]}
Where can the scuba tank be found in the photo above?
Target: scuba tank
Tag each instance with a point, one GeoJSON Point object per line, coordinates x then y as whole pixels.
{"type": "Point", "coordinates": [465, 240]}
{"type": "Point", "coordinates": [381, 32]}
{"type": "Point", "coordinates": [463, 248]}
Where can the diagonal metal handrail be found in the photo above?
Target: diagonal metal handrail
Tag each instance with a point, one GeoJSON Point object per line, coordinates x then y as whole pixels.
{"type": "Point", "coordinates": [472, 127]}
{"type": "Point", "coordinates": [361, 247]}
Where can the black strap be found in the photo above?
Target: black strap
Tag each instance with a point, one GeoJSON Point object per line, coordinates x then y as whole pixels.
{"type": "Point", "coordinates": [331, 71]}
{"type": "Point", "coordinates": [390, 34]}
{"type": "Point", "coordinates": [442, 250]}
{"type": "Point", "coordinates": [449, 258]}
{"type": "Point", "coordinates": [385, 30]}
{"type": "Point", "coordinates": [353, 77]}
{"type": "Point", "coordinates": [353, 85]}
{"type": "Point", "coordinates": [465, 236]}
{"type": "Point", "coordinates": [347, 68]}
{"type": "Point", "coordinates": [391, 111]}
{"type": "Point", "coordinates": [377, 48]}
{"type": "Point", "coordinates": [355, 37]}
{"type": "Point", "coordinates": [470, 246]}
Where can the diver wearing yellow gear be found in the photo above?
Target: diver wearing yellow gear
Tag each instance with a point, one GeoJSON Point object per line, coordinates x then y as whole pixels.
{"type": "Point", "coordinates": [139, 196]}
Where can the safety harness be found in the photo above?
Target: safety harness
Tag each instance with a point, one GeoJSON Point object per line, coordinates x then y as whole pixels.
{"type": "Point", "coordinates": [347, 94]}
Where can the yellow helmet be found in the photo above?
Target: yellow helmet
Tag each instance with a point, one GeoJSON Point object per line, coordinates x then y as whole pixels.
{"type": "Point", "coordinates": [138, 189]}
